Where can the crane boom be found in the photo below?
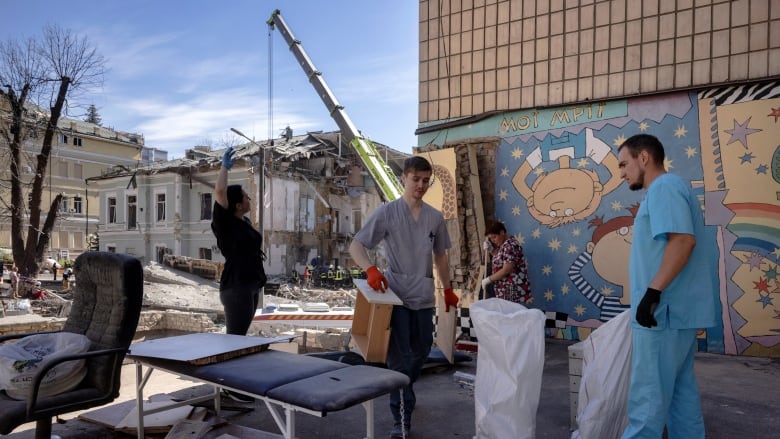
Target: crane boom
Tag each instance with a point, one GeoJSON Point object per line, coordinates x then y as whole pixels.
{"type": "Point", "coordinates": [389, 185]}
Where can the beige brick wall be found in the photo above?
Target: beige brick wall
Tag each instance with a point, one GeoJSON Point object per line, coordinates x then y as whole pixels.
{"type": "Point", "coordinates": [488, 55]}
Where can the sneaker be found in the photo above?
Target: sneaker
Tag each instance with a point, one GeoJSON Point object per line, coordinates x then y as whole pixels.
{"type": "Point", "coordinates": [238, 397]}
{"type": "Point", "coordinates": [398, 433]}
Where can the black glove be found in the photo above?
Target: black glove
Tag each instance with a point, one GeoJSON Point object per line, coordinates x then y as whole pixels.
{"type": "Point", "coordinates": [646, 308]}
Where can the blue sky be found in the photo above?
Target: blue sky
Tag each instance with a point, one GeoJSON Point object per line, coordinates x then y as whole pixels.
{"type": "Point", "coordinates": [183, 73]}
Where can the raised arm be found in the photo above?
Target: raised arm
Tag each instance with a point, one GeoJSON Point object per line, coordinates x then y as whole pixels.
{"type": "Point", "coordinates": [220, 189]}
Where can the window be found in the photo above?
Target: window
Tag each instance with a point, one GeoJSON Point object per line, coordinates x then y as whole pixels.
{"type": "Point", "coordinates": [78, 171]}
{"type": "Point", "coordinates": [77, 204]}
{"type": "Point", "coordinates": [356, 221]}
{"type": "Point", "coordinates": [306, 214]}
{"type": "Point", "coordinates": [160, 207]}
{"type": "Point", "coordinates": [62, 169]}
{"type": "Point", "coordinates": [161, 252]}
{"type": "Point", "coordinates": [76, 141]}
{"type": "Point", "coordinates": [111, 249]}
{"type": "Point", "coordinates": [204, 253]}
{"type": "Point", "coordinates": [62, 138]}
{"type": "Point", "coordinates": [112, 210]}
{"type": "Point", "coordinates": [64, 204]}
{"type": "Point", "coordinates": [131, 217]}
{"type": "Point", "coordinates": [205, 206]}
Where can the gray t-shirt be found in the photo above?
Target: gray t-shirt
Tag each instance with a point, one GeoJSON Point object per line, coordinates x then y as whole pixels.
{"type": "Point", "coordinates": [409, 247]}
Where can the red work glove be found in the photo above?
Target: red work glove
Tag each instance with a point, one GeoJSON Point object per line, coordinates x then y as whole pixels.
{"type": "Point", "coordinates": [450, 299]}
{"type": "Point", "coordinates": [376, 279]}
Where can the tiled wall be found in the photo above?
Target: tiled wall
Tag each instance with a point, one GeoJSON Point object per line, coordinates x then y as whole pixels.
{"type": "Point", "coordinates": [479, 56]}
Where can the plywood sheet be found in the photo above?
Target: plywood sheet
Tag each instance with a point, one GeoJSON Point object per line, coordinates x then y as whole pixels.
{"type": "Point", "coordinates": [446, 323]}
{"type": "Point", "coordinates": [202, 348]}
{"type": "Point", "coordinates": [373, 296]}
{"type": "Point", "coordinates": [124, 416]}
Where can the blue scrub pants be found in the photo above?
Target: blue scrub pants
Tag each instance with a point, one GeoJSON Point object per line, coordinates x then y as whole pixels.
{"type": "Point", "coordinates": [411, 338]}
{"type": "Point", "coordinates": [663, 386]}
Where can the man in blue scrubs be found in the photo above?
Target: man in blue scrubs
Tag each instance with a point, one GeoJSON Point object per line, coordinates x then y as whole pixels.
{"type": "Point", "coordinates": [673, 283]}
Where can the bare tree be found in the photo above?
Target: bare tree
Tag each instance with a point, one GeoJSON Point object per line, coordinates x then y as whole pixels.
{"type": "Point", "coordinates": [35, 73]}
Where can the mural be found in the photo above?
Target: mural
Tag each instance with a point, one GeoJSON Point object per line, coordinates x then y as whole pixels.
{"type": "Point", "coordinates": [558, 191]}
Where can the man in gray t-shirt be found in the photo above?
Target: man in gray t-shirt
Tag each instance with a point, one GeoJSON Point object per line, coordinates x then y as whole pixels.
{"type": "Point", "coordinates": [412, 232]}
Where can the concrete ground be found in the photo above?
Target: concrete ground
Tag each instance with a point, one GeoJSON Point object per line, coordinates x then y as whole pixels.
{"type": "Point", "coordinates": [740, 396]}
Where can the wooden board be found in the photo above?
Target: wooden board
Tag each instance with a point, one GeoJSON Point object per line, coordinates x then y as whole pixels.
{"type": "Point", "coordinates": [202, 348]}
{"type": "Point", "coordinates": [446, 323]}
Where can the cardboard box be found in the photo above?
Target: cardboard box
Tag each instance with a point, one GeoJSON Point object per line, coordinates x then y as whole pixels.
{"type": "Point", "coordinates": [371, 321]}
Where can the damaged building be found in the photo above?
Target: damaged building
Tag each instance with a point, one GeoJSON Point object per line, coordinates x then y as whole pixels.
{"type": "Point", "coordinates": [315, 194]}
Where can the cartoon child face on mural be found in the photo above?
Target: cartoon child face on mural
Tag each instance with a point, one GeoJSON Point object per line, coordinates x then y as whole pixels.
{"type": "Point", "coordinates": [610, 250]}
{"type": "Point", "coordinates": [567, 194]}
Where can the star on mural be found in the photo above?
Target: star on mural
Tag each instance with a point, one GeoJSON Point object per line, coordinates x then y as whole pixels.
{"type": "Point", "coordinates": [643, 126]}
{"type": "Point", "coordinates": [668, 163]}
{"type": "Point", "coordinates": [606, 290]}
{"type": "Point", "coordinates": [505, 172]}
{"type": "Point", "coordinates": [762, 285]}
{"type": "Point", "coordinates": [761, 169]}
{"type": "Point", "coordinates": [740, 132]}
{"type": "Point", "coordinates": [547, 270]}
{"type": "Point", "coordinates": [746, 157]}
{"type": "Point", "coordinates": [516, 210]}
{"type": "Point", "coordinates": [764, 300]}
{"type": "Point", "coordinates": [520, 238]}
{"type": "Point", "coordinates": [619, 140]}
{"type": "Point", "coordinates": [680, 131]}
{"type": "Point", "coordinates": [617, 205]}
{"type": "Point", "coordinates": [690, 151]}
{"type": "Point", "coordinates": [771, 273]}
{"type": "Point", "coordinates": [503, 194]}
{"type": "Point", "coordinates": [754, 260]}
{"type": "Point", "coordinates": [776, 252]}
{"type": "Point", "coordinates": [536, 233]}
{"type": "Point", "coordinates": [572, 249]}
{"type": "Point", "coordinates": [554, 244]}
{"type": "Point", "coordinates": [517, 153]}
{"type": "Point", "coordinates": [576, 232]}
{"type": "Point", "coordinates": [775, 113]}
{"type": "Point", "coordinates": [538, 171]}
{"type": "Point", "coordinates": [564, 289]}
{"type": "Point", "coordinates": [583, 162]}
{"type": "Point", "coordinates": [549, 295]}
{"type": "Point", "coordinates": [579, 310]}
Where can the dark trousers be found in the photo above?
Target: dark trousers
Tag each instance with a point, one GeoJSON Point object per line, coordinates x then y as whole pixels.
{"type": "Point", "coordinates": [411, 337]}
{"type": "Point", "coordinates": [240, 304]}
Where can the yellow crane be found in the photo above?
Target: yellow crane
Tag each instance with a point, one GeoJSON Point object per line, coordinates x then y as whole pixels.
{"type": "Point", "coordinates": [384, 177]}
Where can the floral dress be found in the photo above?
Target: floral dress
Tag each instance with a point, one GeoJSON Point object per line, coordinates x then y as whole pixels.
{"type": "Point", "coordinates": [515, 286]}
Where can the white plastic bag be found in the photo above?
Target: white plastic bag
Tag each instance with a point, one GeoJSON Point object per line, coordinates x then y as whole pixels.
{"type": "Point", "coordinates": [606, 374]}
{"type": "Point", "coordinates": [510, 361]}
{"type": "Point", "coordinates": [20, 360]}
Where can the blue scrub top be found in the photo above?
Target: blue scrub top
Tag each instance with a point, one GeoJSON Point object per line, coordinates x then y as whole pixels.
{"type": "Point", "coordinates": [691, 299]}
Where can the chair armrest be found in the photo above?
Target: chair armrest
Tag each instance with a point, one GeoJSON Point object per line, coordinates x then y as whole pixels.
{"type": "Point", "coordinates": [33, 398]}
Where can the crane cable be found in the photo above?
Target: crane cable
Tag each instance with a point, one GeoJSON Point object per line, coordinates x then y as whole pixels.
{"type": "Point", "coordinates": [270, 85]}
